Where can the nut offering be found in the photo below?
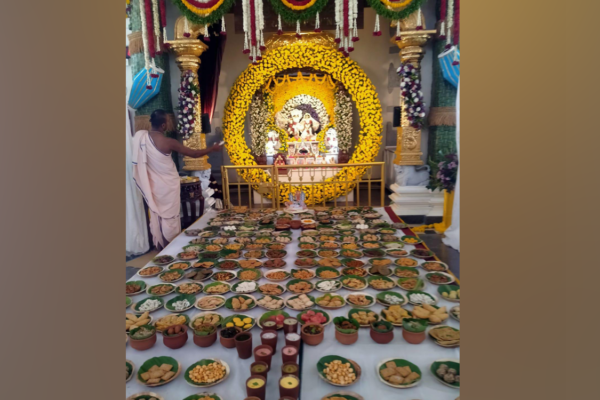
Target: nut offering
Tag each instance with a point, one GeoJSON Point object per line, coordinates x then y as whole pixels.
{"type": "Point", "coordinates": [210, 373]}
{"type": "Point", "coordinates": [339, 373]}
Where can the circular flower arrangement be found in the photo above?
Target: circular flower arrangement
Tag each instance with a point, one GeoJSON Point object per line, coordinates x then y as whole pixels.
{"type": "Point", "coordinates": [321, 58]}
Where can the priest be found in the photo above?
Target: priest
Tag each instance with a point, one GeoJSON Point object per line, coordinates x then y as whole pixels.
{"type": "Point", "coordinates": [157, 178]}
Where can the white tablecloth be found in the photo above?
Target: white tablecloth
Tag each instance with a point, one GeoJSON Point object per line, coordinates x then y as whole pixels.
{"type": "Point", "coordinates": [365, 351]}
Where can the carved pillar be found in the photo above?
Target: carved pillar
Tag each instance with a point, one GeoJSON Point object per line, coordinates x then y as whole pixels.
{"type": "Point", "coordinates": [411, 43]}
{"type": "Point", "coordinates": [187, 56]}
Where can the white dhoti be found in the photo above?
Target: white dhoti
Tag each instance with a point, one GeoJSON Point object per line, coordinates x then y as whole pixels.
{"type": "Point", "coordinates": [157, 178]}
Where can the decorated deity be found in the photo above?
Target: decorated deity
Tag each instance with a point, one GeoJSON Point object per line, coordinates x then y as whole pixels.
{"type": "Point", "coordinates": [303, 123]}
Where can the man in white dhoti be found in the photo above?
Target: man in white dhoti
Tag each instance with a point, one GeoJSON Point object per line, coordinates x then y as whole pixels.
{"type": "Point", "coordinates": [157, 178]}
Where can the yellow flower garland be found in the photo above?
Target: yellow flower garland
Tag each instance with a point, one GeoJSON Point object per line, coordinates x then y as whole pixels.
{"type": "Point", "coordinates": [395, 4]}
{"type": "Point", "coordinates": [325, 59]}
{"type": "Point", "coordinates": [202, 11]}
{"type": "Point", "coordinates": [294, 7]}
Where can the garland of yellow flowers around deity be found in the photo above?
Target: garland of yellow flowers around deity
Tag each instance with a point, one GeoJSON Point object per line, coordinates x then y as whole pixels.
{"type": "Point", "coordinates": [321, 58]}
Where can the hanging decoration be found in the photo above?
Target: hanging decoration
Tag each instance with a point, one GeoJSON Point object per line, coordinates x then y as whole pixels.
{"type": "Point", "coordinates": [188, 104]}
{"type": "Point", "coordinates": [146, 17]}
{"type": "Point", "coordinates": [254, 24]}
{"type": "Point", "coordinates": [259, 122]}
{"type": "Point", "coordinates": [394, 10]}
{"type": "Point", "coordinates": [205, 12]}
{"type": "Point", "coordinates": [163, 20]}
{"type": "Point", "coordinates": [410, 86]}
{"type": "Point", "coordinates": [296, 11]}
{"type": "Point", "coordinates": [346, 12]}
{"type": "Point", "coordinates": [343, 118]}
{"type": "Point", "coordinates": [156, 26]}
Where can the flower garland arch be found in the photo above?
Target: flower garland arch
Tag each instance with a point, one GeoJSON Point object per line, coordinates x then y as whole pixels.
{"type": "Point", "coordinates": [321, 58]}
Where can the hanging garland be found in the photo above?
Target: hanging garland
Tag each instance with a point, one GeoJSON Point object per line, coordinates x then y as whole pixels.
{"type": "Point", "coordinates": [259, 123]}
{"type": "Point", "coordinates": [410, 86]}
{"type": "Point", "coordinates": [343, 119]}
{"type": "Point", "coordinates": [400, 9]}
{"type": "Point", "coordinates": [188, 101]}
{"type": "Point", "coordinates": [254, 24]}
{"type": "Point", "coordinates": [204, 12]}
{"type": "Point", "coordinates": [346, 33]}
{"type": "Point", "coordinates": [297, 10]}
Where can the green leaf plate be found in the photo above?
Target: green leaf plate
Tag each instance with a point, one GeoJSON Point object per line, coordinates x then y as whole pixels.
{"type": "Point", "coordinates": [419, 286]}
{"type": "Point", "coordinates": [451, 364]}
{"type": "Point", "coordinates": [328, 359]}
{"type": "Point", "coordinates": [229, 319]}
{"type": "Point", "coordinates": [206, 287]}
{"type": "Point", "coordinates": [206, 361]}
{"type": "Point", "coordinates": [182, 297]}
{"type": "Point", "coordinates": [149, 289]}
{"type": "Point", "coordinates": [178, 288]}
{"type": "Point", "coordinates": [447, 289]}
{"type": "Point", "coordinates": [331, 269]}
{"type": "Point", "coordinates": [203, 395]}
{"type": "Point", "coordinates": [316, 311]}
{"type": "Point", "coordinates": [311, 298]}
{"type": "Point", "coordinates": [372, 278]}
{"type": "Point", "coordinates": [180, 272]}
{"type": "Point", "coordinates": [136, 306]}
{"type": "Point", "coordinates": [271, 313]}
{"type": "Point", "coordinates": [248, 271]}
{"type": "Point", "coordinates": [399, 363]}
{"type": "Point", "coordinates": [306, 254]}
{"type": "Point", "coordinates": [414, 272]}
{"type": "Point", "coordinates": [380, 298]}
{"type": "Point", "coordinates": [357, 310]}
{"type": "Point", "coordinates": [295, 281]}
{"type": "Point", "coordinates": [229, 301]}
{"type": "Point", "coordinates": [153, 323]}
{"type": "Point", "coordinates": [158, 361]}
{"type": "Point", "coordinates": [142, 287]}
{"type": "Point", "coordinates": [403, 239]}
{"type": "Point", "coordinates": [234, 287]}
{"type": "Point", "coordinates": [360, 278]}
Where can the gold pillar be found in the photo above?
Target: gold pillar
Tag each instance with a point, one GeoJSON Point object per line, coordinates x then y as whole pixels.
{"type": "Point", "coordinates": [411, 43]}
{"type": "Point", "coordinates": [187, 56]}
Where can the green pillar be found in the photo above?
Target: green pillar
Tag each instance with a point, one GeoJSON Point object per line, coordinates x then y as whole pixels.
{"type": "Point", "coordinates": [442, 137]}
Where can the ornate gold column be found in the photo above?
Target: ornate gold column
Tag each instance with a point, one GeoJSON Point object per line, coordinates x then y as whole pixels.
{"type": "Point", "coordinates": [187, 52]}
{"type": "Point", "coordinates": [411, 43]}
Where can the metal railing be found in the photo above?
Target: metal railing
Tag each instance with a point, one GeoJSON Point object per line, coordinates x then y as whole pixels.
{"type": "Point", "coordinates": [289, 178]}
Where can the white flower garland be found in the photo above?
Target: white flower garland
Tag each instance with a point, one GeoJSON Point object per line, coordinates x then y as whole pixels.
{"type": "Point", "coordinates": [188, 101]}
{"type": "Point", "coordinates": [410, 87]}
{"type": "Point", "coordinates": [340, 36]}
{"type": "Point", "coordinates": [343, 119]}
{"type": "Point", "coordinates": [259, 25]}
{"type": "Point", "coordinates": [156, 23]}
{"type": "Point", "coordinates": [449, 23]}
{"type": "Point", "coordinates": [145, 41]}
{"type": "Point", "coordinates": [259, 124]}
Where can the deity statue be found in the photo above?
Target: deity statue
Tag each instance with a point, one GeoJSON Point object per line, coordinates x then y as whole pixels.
{"type": "Point", "coordinates": [273, 145]}
{"type": "Point", "coordinates": [303, 124]}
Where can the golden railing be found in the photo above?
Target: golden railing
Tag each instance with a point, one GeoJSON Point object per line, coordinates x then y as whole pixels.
{"type": "Point", "coordinates": [296, 176]}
